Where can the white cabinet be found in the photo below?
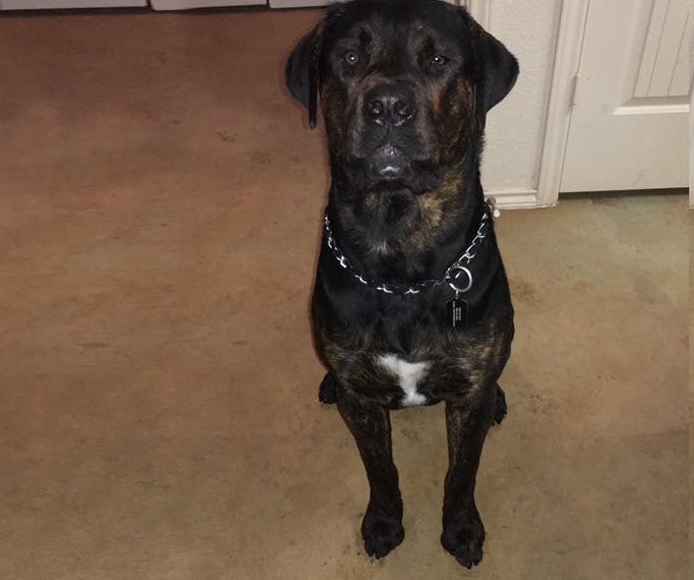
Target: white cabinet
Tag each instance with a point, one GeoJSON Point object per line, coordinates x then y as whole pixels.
{"type": "Point", "coordinates": [297, 3]}
{"type": "Point", "coordinates": [57, 4]}
{"type": "Point", "coordinates": [156, 4]}
{"type": "Point", "coordinates": [191, 4]}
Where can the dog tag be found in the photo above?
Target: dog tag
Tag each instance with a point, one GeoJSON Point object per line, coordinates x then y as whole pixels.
{"type": "Point", "coordinates": [457, 312]}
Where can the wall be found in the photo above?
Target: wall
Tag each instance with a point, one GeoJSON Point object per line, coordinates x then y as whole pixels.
{"type": "Point", "coordinates": [516, 126]}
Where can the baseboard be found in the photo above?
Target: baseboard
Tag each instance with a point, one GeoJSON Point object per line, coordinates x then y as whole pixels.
{"type": "Point", "coordinates": [516, 198]}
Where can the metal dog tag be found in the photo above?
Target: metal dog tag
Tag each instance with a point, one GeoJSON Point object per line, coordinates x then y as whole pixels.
{"type": "Point", "coordinates": [457, 312]}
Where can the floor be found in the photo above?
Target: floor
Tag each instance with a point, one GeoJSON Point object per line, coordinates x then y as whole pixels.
{"type": "Point", "coordinates": [159, 219]}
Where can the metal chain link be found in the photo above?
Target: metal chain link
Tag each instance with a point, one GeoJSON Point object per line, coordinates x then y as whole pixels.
{"type": "Point", "coordinates": [453, 275]}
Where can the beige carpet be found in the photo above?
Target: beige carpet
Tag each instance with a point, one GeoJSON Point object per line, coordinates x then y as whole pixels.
{"type": "Point", "coordinates": [160, 203]}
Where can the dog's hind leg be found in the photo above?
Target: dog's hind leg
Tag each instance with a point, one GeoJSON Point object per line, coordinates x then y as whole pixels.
{"type": "Point", "coordinates": [327, 393]}
{"type": "Point", "coordinates": [369, 424]}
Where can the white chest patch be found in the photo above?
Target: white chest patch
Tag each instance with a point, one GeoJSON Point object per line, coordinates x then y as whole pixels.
{"type": "Point", "coordinates": [408, 374]}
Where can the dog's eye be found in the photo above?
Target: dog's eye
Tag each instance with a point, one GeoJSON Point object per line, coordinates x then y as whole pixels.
{"type": "Point", "coordinates": [350, 57]}
{"type": "Point", "coordinates": [439, 60]}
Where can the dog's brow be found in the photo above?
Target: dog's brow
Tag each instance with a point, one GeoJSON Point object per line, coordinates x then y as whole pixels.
{"type": "Point", "coordinates": [357, 35]}
{"type": "Point", "coordinates": [364, 37]}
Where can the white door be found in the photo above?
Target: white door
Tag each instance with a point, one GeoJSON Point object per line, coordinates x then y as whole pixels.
{"type": "Point", "coordinates": [629, 122]}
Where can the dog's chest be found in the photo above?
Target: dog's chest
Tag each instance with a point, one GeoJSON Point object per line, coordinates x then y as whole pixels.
{"type": "Point", "coordinates": [407, 375]}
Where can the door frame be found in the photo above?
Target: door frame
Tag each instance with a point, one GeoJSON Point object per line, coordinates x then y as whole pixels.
{"type": "Point", "coordinates": [691, 126]}
{"type": "Point", "coordinates": [572, 23]}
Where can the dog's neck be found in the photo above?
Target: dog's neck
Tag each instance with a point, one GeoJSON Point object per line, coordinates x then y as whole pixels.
{"type": "Point", "coordinates": [404, 238]}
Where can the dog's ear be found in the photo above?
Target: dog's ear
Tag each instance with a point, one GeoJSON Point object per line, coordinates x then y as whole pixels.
{"type": "Point", "coordinates": [497, 68]}
{"type": "Point", "coordinates": [302, 71]}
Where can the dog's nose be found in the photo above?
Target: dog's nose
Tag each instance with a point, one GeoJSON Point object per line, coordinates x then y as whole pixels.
{"type": "Point", "coordinates": [389, 105]}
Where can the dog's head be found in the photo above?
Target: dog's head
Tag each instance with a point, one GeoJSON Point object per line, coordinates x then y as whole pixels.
{"type": "Point", "coordinates": [404, 87]}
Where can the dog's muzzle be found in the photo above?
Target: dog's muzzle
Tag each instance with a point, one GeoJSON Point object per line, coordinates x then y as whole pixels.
{"type": "Point", "coordinates": [390, 105]}
{"type": "Point", "coordinates": [388, 108]}
{"type": "Point", "coordinates": [389, 163]}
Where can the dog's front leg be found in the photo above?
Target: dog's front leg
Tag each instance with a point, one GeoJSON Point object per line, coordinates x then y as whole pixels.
{"type": "Point", "coordinates": [370, 425]}
{"type": "Point", "coordinates": [463, 533]}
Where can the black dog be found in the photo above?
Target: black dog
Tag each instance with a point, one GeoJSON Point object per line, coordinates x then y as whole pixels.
{"type": "Point", "coordinates": [411, 304]}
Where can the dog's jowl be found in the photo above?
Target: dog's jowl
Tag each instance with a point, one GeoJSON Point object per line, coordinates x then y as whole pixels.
{"type": "Point", "coordinates": [411, 304]}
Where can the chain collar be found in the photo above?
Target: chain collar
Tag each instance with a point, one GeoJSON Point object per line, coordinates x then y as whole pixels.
{"type": "Point", "coordinates": [458, 275]}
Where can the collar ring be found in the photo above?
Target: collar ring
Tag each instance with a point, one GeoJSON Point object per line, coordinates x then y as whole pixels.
{"type": "Point", "coordinates": [460, 279]}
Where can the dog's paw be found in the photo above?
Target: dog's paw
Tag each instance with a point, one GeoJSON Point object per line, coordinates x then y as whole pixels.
{"type": "Point", "coordinates": [463, 538]}
{"type": "Point", "coordinates": [326, 391]}
{"type": "Point", "coordinates": [501, 409]}
{"type": "Point", "coordinates": [381, 533]}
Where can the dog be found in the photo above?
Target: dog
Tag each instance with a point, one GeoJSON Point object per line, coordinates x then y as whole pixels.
{"type": "Point", "coordinates": [411, 304]}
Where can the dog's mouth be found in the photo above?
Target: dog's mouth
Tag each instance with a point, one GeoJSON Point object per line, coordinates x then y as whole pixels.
{"type": "Point", "coordinates": [389, 163]}
{"type": "Point", "coordinates": [388, 168]}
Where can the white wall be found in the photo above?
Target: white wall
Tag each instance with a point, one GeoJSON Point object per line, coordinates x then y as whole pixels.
{"type": "Point", "coordinates": [516, 126]}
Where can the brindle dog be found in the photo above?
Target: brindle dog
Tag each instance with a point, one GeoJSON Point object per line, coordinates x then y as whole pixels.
{"type": "Point", "coordinates": [411, 303]}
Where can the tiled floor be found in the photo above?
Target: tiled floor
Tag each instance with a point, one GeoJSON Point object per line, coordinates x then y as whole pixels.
{"type": "Point", "coordinates": [160, 212]}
